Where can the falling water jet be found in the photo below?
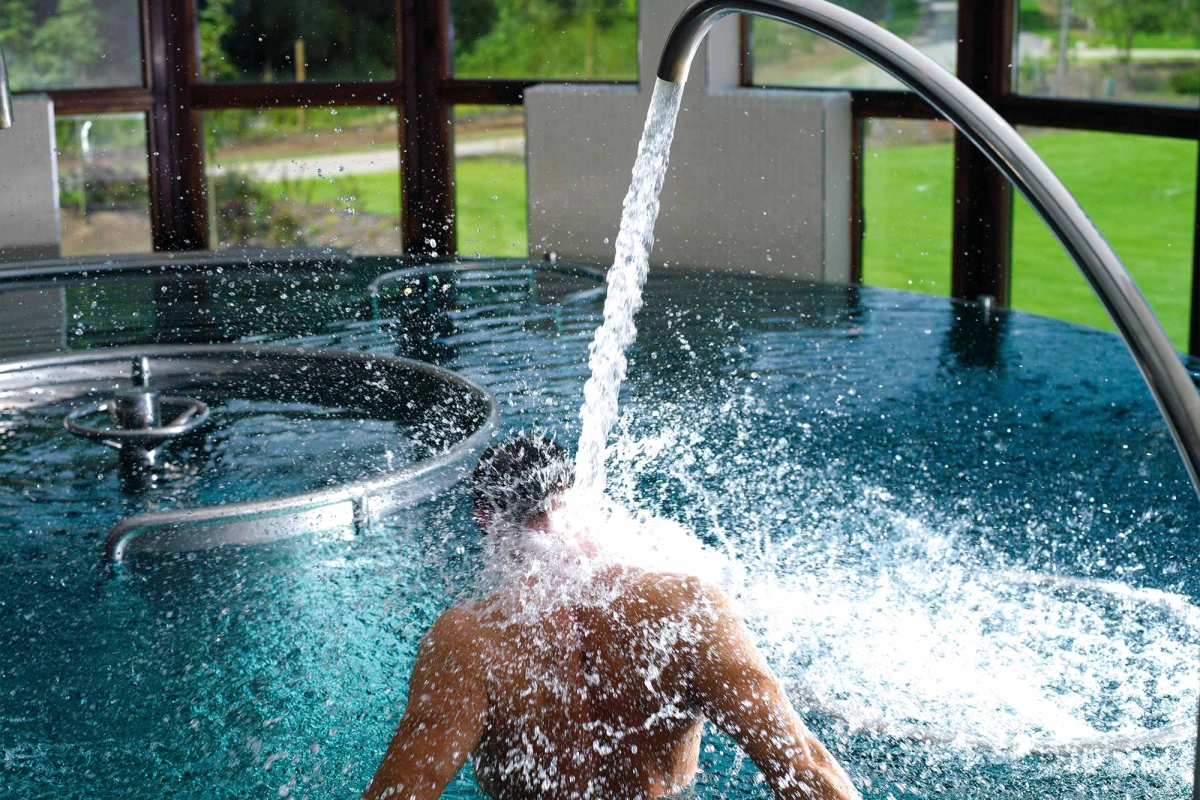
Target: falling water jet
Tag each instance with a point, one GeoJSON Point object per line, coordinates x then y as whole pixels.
{"type": "Point", "coordinates": [631, 265]}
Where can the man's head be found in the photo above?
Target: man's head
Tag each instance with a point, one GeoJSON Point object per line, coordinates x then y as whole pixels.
{"type": "Point", "coordinates": [518, 479]}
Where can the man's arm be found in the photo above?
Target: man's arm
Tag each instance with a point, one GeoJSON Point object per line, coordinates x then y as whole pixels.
{"type": "Point", "coordinates": [447, 708]}
{"type": "Point", "coordinates": [736, 689]}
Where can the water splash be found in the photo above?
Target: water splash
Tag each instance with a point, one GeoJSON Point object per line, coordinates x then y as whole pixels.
{"type": "Point", "coordinates": [891, 617]}
{"type": "Point", "coordinates": [625, 281]}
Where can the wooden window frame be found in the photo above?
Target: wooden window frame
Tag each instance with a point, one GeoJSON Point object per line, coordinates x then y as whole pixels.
{"type": "Point", "coordinates": [172, 97]}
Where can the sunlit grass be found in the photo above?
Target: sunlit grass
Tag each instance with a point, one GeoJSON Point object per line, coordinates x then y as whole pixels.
{"type": "Point", "coordinates": [1139, 190]}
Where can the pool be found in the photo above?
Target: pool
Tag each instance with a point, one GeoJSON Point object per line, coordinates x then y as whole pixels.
{"type": "Point", "coordinates": [887, 478]}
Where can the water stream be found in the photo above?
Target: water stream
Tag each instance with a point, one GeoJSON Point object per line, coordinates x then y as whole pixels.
{"type": "Point", "coordinates": [626, 278]}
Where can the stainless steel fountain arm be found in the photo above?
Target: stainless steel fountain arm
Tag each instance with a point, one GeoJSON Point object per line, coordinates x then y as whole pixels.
{"type": "Point", "coordinates": [1143, 334]}
{"type": "Point", "coordinates": [6, 115]}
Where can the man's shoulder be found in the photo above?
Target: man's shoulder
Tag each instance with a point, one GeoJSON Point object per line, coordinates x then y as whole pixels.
{"type": "Point", "coordinates": [457, 626]}
{"type": "Point", "coordinates": [674, 590]}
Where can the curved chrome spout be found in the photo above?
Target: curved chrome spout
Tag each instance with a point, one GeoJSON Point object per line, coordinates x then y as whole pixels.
{"type": "Point", "coordinates": [1161, 366]}
{"type": "Point", "coordinates": [6, 115]}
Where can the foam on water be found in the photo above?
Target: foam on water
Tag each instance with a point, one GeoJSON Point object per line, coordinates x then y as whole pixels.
{"type": "Point", "coordinates": [625, 281]}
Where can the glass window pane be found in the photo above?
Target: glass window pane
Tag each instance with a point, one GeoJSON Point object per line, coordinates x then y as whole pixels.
{"type": "Point", "coordinates": [103, 184]}
{"type": "Point", "coordinates": [546, 39]}
{"type": "Point", "coordinates": [784, 55]}
{"type": "Point", "coordinates": [1134, 50]}
{"type": "Point", "coordinates": [297, 40]}
{"type": "Point", "coordinates": [908, 199]}
{"type": "Point", "coordinates": [72, 44]}
{"type": "Point", "coordinates": [489, 180]}
{"type": "Point", "coordinates": [316, 177]}
{"type": "Point", "coordinates": [1141, 193]}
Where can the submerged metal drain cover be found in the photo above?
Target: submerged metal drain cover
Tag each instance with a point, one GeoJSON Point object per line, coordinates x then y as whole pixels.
{"type": "Point", "coordinates": [450, 415]}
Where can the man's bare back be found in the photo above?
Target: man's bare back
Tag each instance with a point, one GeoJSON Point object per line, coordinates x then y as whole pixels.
{"type": "Point", "coordinates": [593, 685]}
{"type": "Point", "coordinates": [597, 699]}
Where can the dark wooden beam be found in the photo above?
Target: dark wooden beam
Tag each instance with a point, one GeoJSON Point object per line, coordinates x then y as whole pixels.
{"type": "Point", "coordinates": [891, 104]}
{"type": "Point", "coordinates": [746, 49]}
{"type": "Point", "coordinates": [1194, 316]}
{"type": "Point", "coordinates": [426, 135]}
{"type": "Point", "coordinates": [101, 101]}
{"type": "Point", "coordinates": [208, 96]}
{"type": "Point", "coordinates": [981, 261]}
{"type": "Point", "coordinates": [178, 210]}
{"type": "Point", "coordinates": [503, 92]}
{"type": "Point", "coordinates": [1099, 115]}
{"type": "Point", "coordinates": [858, 215]}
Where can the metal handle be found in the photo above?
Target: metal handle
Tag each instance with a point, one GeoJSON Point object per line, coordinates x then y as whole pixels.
{"type": "Point", "coordinates": [6, 113]}
{"type": "Point", "coordinates": [192, 415]}
{"type": "Point", "coordinates": [1161, 366]}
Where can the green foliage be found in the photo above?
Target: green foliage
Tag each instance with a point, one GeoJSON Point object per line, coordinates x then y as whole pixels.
{"type": "Point", "coordinates": [549, 39]}
{"type": "Point", "coordinates": [1186, 82]}
{"type": "Point", "coordinates": [1125, 19]}
{"type": "Point", "coordinates": [68, 43]}
{"type": "Point", "coordinates": [473, 19]}
{"type": "Point", "coordinates": [256, 40]}
{"type": "Point", "coordinates": [1032, 18]}
{"type": "Point", "coordinates": [776, 42]}
{"type": "Point", "coordinates": [249, 213]}
{"type": "Point", "coordinates": [214, 24]}
{"type": "Point", "coordinates": [16, 23]}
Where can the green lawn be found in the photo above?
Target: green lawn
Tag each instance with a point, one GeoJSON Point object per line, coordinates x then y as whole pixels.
{"type": "Point", "coordinates": [490, 192]}
{"type": "Point", "coordinates": [1139, 190]}
{"type": "Point", "coordinates": [491, 206]}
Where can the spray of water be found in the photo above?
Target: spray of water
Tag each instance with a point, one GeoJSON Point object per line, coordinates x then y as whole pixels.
{"type": "Point", "coordinates": [891, 617]}
{"type": "Point", "coordinates": [625, 281]}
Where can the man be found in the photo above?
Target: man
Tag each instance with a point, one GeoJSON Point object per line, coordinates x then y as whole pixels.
{"type": "Point", "coordinates": [590, 681]}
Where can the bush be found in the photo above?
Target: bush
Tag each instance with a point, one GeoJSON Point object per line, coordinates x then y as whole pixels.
{"type": "Point", "coordinates": [248, 214]}
{"type": "Point", "coordinates": [1187, 81]}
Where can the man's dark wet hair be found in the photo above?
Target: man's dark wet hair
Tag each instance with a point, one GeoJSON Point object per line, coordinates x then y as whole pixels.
{"type": "Point", "coordinates": [514, 479]}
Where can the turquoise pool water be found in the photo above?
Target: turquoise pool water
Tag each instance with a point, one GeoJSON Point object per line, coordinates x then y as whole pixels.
{"type": "Point", "coordinates": [887, 479]}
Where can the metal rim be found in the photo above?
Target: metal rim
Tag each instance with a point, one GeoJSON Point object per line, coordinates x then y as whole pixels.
{"type": "Point", "coordinates": [192, 415]}
{"type": "Point", "coordinates": [122, 535]}
{"type": "Point", "coordinates": [579, 270]}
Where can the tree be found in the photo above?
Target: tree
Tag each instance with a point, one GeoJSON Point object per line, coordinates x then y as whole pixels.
{"type": "Point", "coordinates": [16, 22]}
{"type": "Point", "coordinates": [1124, 19]}
{"type": "Point", "coordinates": [68, 45]}
{"type": "Point", "coordinates": [591, 13]}
{"type": "Point", "coordinates": [214, 23]}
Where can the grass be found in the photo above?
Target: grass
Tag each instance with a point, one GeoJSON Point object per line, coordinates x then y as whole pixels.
{"type": "Point", "coordinates": [491, 206]}
{"type": "Point", "coordinates": [490, 192]}
{"type": "Point", "coordinates": [908, 199]}
{"type": "Point", "coordinates": [1138, 190]}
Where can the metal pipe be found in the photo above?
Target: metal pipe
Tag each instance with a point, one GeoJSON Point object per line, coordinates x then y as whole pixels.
{"type": "Point", "coordinates": [1161, 366]}
{"type": "Point", "coordinates": [6, 113]}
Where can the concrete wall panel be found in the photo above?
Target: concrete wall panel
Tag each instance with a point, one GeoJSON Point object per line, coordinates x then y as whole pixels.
{"type": "Point", "coordinates": [759, 179]}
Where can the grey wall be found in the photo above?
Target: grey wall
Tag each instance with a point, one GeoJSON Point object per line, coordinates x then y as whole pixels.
{"type": "Point", "coordinates": [29, 218]}
{"type": "Point", "coordinates": [759, 179]}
